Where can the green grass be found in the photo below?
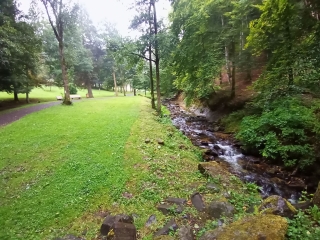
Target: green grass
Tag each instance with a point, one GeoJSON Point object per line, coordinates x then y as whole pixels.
{"type": "Point", "coordinates": [63, 167]}
{"type": "Point", "coordinates": [44, 94]}
{"type": "Point", "coordinates": [54, 162]}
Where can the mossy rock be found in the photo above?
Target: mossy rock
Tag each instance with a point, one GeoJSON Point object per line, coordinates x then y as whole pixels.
{"type": "Point", "coordinates": [266, 227]}
{"type": "Point", "coordinates": [277, 205]}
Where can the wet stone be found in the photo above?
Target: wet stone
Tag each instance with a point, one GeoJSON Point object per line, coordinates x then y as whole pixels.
{"type": "Point", "coordinates": [198, 202]}
{"type": "Point", "coordinates": [124, 231]}
{"type": "Point", "coordinates": [204, 143]}
{"type": "Point", "coordinates": [152, 219]}
{"type": "Point", "coordinates": [170, 226]}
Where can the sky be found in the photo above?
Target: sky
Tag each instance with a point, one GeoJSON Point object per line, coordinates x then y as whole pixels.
{"type": "Point", "coordinates": [114, 11]}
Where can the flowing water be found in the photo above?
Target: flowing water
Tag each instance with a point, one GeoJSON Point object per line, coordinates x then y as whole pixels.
{"type": "Point", "coordinates": [218, 147]}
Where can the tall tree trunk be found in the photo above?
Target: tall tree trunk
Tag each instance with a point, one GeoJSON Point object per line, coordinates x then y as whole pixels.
{"type": "Point", "coordinates": [157, 59]}
{"type": "Point", "coordinates": [15, 95]}
{"type": "Point", "coordinates": [27, 97]}
{"type": "Point", "coordinates": [226, 54]}
{"type": "Point", "coordinates": [64, 75]}
{"type": "Point", "coordinates": [89, 89]}
{"type": "Point", "coordinates": [233, 77]}
{"type": "Point", "coordinates": [134, 92]}
{"type": "Point", "coordinates": [153, 105]}
{"type": "Point", "coordinates": [124, 90]}
{"type": "Point", "coordinates": [115, 83]}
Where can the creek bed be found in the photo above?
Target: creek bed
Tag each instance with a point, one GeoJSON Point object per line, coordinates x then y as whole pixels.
{"type": "Point", "coordinates": [220, 147]}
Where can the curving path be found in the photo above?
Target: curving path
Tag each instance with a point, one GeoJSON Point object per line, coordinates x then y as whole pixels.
{"type": "Point", "coordinates": [15, 115]}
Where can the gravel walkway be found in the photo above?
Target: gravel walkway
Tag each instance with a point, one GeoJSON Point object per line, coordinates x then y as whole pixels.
{"type": "Point", "coordinates": [15, 115]}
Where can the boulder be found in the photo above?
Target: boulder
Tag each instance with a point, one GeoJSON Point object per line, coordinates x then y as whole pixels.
{"type": "Point", "coordinates": [185, 233]}
{"type": "Point", "coordinates": [260, 227]}
{"type": "Point", "coordinates": [219, 209]}
{"type": "Point", "coordinates": [278, 206]}
{"type": "Point", "coordinates": [124, 231]}
{"type": "Point", "coordinates": [110, 221]}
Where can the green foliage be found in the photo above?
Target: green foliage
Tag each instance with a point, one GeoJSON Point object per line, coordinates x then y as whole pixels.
{"type": "Point", "coordinates": [302, 226]}
{"type": "Point", "coordinates": [282, 132]}
{"type": "Point", "coordinates": [73, 89]}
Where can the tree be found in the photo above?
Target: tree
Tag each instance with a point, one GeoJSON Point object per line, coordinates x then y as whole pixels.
{"type": "Point", "coordinates": [19, 54]}
{"type": "Point", "coordinates": [148, 18]}
{"type": "Point", "coordinates": [61, 16]}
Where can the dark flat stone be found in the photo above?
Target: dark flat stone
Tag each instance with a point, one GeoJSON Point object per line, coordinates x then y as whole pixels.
{"type": "Point", "coordinates": [197, 202]}
{"type": "Point", "coordinates": [167, 228]}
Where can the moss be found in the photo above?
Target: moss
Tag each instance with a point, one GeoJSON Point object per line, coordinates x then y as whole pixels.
{"type": "Point", "coordinates": [268, 227]}
{"type": "Point", "coordinates": [277, 205]}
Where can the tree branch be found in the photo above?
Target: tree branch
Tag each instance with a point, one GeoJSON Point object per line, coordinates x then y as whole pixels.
{"type": "Point", "coordinates": [139, 55]}
{"type": "Point", "coordinates": [50, 20]}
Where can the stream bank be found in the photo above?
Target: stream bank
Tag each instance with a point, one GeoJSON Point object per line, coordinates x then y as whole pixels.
{"type": "Point", "coordinates": [222, 148]}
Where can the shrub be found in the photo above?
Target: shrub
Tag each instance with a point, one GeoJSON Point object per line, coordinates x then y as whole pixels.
{"type": "Point", "coordinates": [284, 131]}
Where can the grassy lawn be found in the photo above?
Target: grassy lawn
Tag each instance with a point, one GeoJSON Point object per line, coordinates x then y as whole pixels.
{"type": "Point", "coordinates": [62, 166]}
{"type": "Point", "coordinates": [44, 94]}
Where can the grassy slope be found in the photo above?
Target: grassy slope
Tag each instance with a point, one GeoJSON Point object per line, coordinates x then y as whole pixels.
{"type": "Point", "coordinates": [44, 94]}
{"type": "Point", "coordinates": [61, 166]}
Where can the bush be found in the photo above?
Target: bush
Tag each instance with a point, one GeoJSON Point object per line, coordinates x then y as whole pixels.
{"type": "Point", "coordinates": [73, 89]}
{"type": "Point", "coordinates": [284, 131]}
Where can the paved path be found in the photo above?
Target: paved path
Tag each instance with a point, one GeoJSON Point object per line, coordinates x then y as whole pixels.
{"type": "Point", "coordinates": [15, 115]}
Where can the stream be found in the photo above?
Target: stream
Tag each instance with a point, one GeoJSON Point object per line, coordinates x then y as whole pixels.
{"type": "Point", "coordinates": [220, 147]}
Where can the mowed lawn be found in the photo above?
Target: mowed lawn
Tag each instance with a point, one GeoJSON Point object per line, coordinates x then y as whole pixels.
{"type": "Point", "coordinates": [44, 94]}
{"type": "Point", "coordinates": [55, 163]}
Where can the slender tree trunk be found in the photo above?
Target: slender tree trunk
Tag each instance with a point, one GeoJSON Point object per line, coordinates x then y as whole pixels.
{"type": "Point", "coordinates": [115, 83]}
{"type": "Point", "coordinates": [220, 78]}
{"type": "Point", "coordinates": [27, 97]}
{"type": "Point", "coordinates": [157, 59]}
{"type": "Point", "coordinates": [124, 90]}
{"type": "Point", "coordinates": [64, 75]}
{"type": "Point", "coordinates": [89, 89]}
{"type": "Point", "coordinates": [233, 77]}
{"type": "Point", "coordinates": [226, 53]}
{"type": "Point", "coordinates": [153, 105]}
{"type": "Point", "coordinates": [134, 92]}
